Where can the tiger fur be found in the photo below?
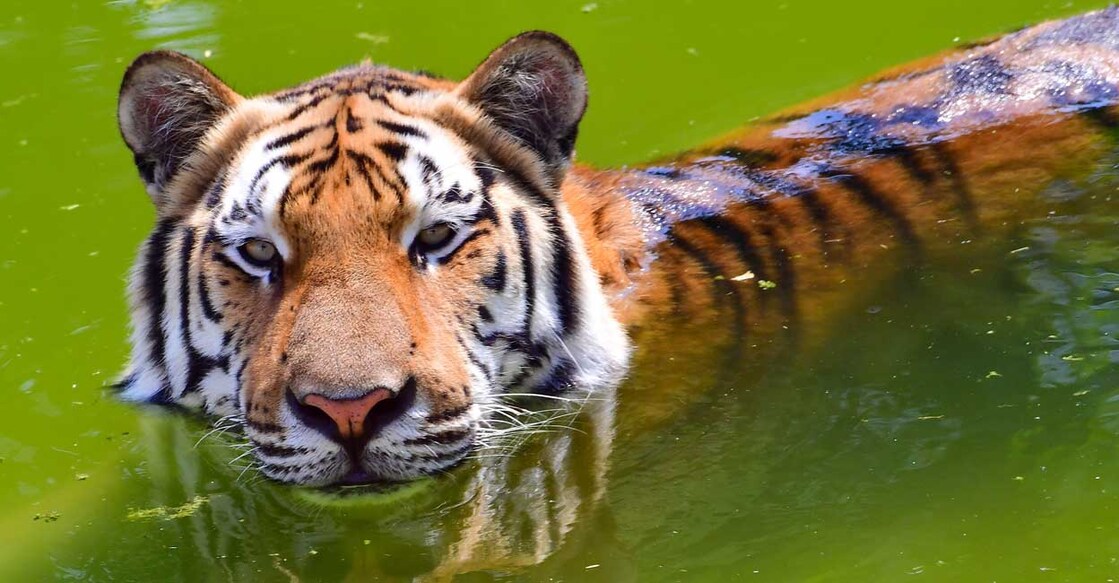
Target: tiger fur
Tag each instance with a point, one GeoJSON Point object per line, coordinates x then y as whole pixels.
{"type": "Point", "coordinates": [550, 270]}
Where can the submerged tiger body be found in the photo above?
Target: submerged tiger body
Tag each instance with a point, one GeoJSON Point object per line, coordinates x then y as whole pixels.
{"type": "Point", "coordinates": [359, 269]}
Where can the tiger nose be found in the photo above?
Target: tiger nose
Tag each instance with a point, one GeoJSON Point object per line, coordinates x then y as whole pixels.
{"type": "Point", "coordinates": [349, 415]}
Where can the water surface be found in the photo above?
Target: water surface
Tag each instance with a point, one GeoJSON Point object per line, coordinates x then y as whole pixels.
{"type": "Point", "coordinates": [961, 425]}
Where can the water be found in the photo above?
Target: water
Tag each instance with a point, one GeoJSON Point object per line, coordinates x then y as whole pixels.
{"type": "Point", "coordinates": [959, 423]}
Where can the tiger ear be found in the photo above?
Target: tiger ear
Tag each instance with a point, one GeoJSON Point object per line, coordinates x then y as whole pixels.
{"type": "Point", "coordinates": [168, 102]}
{"type": "Point", "coordinates": [533, 87]}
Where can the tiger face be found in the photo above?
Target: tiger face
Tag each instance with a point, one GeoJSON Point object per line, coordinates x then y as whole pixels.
{"type": "Point", "coordinates": [356, 268]}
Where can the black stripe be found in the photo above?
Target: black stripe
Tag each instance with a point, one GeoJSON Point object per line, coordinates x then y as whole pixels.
{"type": "Point", "coordinates": [402, 129]}
{"type": "Point", "coordinates": [486, 372]}
{"type": "Point", "coordinates": [447, 415]}
{"type": "Point", "coordinates": [198, 365]}
{"type": "Point", "coordinates": [454, 453]}
{"type": "Point", "coordinates": [155, 275]}
{"type": "Point", "coordinates": [204, 298]}
{"type": "Point", "coordinates": [907, 158]}
{"type": "Point", "coordinates": [566, 279]}
{"type": "Point", "coordinates": [186, 247]}
{"type": "Point", "coordinates": [564, 268]}
{"type": "Point", "coordinates": [353, 124]}
{"type": "Point", "coordinates": [395, 151]}
{"type": "Point", "coordinates": [289, 138]}
{"type": "Point", "coordinates": [1103, 117]}
{"type": "Point", "coordinates": [495, 280]}
{"type": "Point", "coordinates": [524, 244]}
{"type": "Point", "coordinates": [820, 217]}
{"type": "Point", "coordinates": [263, 427]}
{"type": "Point", "coordinates": [366, 163]}
{"type": "Point", "coordinates": [441, 438]}
{"type": "Point", "coordinates": [472, 236]}
{"type": "Point", "coordinates": [220, 257]}
{"type": "Point", "coordinates": [740, 239]}
{"type": "Point", "coordinates": [362, 162]}
{"type": "Point", "coordinates": [125, 383]}
{"type": "Point", "coordinates": [429, 171]}
{"type": "Point", "coordinates": [875, 200]}
{"type": "Point", "coordinates": [786, 282]}
{"type": "Point", "coordinates": [298, 111]}
{"type": "Point", "coordinates": [320, 166]}
{"type": "Point", "coordinates": [213, 195]}
{"type": "Point", "coordinates": [281, 451]}
{"type": "Point", "coordinates": [722, 290]}
{"type": "Point", "coordinates": [287, 161]}
{"type": "Point", "coordinates": [965, 203]}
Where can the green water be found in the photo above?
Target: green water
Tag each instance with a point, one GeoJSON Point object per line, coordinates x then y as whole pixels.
{"type": "Point", "coordinates": [963, 426]}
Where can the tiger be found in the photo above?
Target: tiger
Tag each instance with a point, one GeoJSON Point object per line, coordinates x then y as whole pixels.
{"type": "Point", "coordinates": [360, 270]}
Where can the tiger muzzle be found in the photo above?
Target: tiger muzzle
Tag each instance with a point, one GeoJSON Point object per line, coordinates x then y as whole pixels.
{"type": "Point", "coordinates": [352, 420]}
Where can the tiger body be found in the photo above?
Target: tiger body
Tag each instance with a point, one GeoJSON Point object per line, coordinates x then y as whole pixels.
{"type": "Point", "coordinates": [361, 328]}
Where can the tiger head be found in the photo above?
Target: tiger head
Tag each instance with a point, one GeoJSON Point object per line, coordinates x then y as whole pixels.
{"type": "Point", "coordinates": [356, 268]}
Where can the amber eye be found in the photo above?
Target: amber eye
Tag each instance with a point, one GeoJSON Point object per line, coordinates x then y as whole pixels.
{"type": "Point", "coordinates": [259, 252]}
{"type": "Point", "coordinates": [435, 236]}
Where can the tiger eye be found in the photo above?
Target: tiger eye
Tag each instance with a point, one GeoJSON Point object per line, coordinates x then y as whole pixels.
{"type": "Point", "coordinates": [436, 235]}
{"type": "Point", "coordinates": [259, 251]}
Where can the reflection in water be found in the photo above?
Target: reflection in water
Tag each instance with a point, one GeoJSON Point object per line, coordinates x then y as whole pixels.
{"type": "Point", "coordinates": [900, 416]}
{"type": "Point", "coordinates": [511, 507]}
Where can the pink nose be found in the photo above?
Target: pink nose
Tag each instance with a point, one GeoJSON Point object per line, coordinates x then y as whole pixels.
{"type": "Point", "coordinates": [348, 414]}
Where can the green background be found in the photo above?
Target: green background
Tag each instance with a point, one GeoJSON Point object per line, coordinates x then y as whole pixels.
{"type": "Point", "coordinates": [897, 454]}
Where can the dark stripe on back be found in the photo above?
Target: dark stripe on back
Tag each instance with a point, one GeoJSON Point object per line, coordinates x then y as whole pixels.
{"type": "Point", "coordinates": [722, 290]}
{"type": "Point", "coordinates": [965, 203]}
{"type": "Point", "coordinates": [877, 202]}
{"type": "Point", "coordinates": [786, 276]}
{"type": "Point", "coordinates": [810, 199]}
{"type": "Point", "coordinates": [739, 238]}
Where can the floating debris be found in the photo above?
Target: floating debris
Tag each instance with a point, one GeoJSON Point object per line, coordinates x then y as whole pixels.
{"type": "Point", "coordinates": [169, 513]}
{"type": "Point", "coordinates": [994, 374]}
{"type": "Point", "coordinates": [51, 516]}
{"type": "Point", "coordinates": [766, 284]}
{"type": "Point", "coordinates": [377, 39]}
{"type": "Point", "coordinates": [587, 8]}
{"type": "Point", "coordinates": [744, 277]}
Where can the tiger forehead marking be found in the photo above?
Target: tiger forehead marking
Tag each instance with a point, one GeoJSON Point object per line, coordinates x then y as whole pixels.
{"type": "Point", "coordinates": [356, 269]}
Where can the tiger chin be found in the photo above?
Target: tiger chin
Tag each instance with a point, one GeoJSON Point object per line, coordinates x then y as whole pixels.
{"type": "Point", "coordinates": [356, 268]}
